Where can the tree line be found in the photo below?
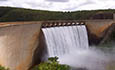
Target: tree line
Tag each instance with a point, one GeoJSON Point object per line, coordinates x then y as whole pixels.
{"type": "Point", "coordinates": [9, 14]}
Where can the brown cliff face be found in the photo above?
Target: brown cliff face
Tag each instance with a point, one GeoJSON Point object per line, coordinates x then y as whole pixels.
{"type": "Point", "coordinates": [17, 45]}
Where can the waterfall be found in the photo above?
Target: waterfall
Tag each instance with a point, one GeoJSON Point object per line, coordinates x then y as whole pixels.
{"type": "Point", "coordinates": [70, 44]}
{"type": "Point", "coordinates": [61, 40]}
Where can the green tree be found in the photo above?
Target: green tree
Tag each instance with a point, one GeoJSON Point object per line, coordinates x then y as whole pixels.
{"type": "Point", "coordinates": [51, 64]}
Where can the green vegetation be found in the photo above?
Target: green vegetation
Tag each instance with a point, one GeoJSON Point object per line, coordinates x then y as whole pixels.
{"type": "Point", "coordinates": [8, 14]}
{"type": "Point", "coordinates": [51, 64]}
{"type": "Point", "coordinates": [3, 68]}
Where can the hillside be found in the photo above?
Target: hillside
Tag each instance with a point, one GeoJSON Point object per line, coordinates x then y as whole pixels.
{"type": "Point", "coordinates": [8, 14]}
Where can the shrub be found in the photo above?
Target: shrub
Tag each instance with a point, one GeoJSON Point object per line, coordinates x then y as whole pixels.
{"type": "Point", "coordinates": [3, 68]}
{"type": "Point", "coordinates": [51, 64]}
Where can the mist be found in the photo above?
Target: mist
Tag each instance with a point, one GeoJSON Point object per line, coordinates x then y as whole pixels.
{"type": "Point", "coordinates": [92, 58]}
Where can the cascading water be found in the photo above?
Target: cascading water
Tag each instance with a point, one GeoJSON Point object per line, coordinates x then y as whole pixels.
{"type": "Point", "coordinates": [61, 40]}
{"type": "Point", "coordinates": [70, 44]}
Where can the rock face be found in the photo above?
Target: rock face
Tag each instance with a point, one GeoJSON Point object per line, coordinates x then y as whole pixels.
{"type": "Point", "coordinates": [17, 45]}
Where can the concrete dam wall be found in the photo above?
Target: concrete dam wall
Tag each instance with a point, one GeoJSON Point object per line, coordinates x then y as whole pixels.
{"type": "Point", "coordinates": [17, 45]}
{"type": "Point", "coordinates": [20, 40]}
{"type": "Point", "coordinates": [98, 29]}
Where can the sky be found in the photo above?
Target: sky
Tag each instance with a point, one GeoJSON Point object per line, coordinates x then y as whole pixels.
{"type": "Point", "coordinates": [60, 5]}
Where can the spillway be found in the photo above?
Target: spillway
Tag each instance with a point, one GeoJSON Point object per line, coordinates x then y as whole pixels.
{"type": "Point", "coordinates": [61, 40]}
{"type": "Point", "coordinates": [70, 44]}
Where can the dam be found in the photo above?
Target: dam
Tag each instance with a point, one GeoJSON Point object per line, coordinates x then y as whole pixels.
{"type": "Point", "coordinates": [22, 42]}
{"type": "Point", "coordinates": [60, 40]}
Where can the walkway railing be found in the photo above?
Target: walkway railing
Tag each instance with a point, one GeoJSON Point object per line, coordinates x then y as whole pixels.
{"type": "Point", "coordinates": [58, 24]}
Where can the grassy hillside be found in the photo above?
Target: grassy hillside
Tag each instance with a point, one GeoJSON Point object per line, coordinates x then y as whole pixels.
{"type": "Point", "coordinates": [8, 14]}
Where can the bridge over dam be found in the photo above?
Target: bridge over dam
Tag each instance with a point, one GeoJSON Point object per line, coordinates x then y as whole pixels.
{"type": "Point", "coordinates": [22, 43]}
